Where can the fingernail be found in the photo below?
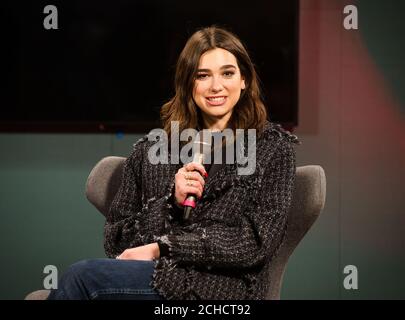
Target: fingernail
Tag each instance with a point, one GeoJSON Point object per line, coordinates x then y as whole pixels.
{"type": "Point", "coordinates": [205, 174]}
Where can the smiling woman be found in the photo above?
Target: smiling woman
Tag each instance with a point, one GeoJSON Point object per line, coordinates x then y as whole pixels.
{"type": "Point", "coordinates": [217, 87]}
{"type": "Point", "coordinates": [215, 73]}
{"type": "Point", "coordinates": [225, 249]}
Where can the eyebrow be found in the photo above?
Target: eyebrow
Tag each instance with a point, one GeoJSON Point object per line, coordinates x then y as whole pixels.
{"type": "Point", "coordinates": [223, 67]}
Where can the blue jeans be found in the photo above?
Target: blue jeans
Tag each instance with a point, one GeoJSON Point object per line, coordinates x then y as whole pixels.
{"type": "Point", "coordinates": [107, 279]}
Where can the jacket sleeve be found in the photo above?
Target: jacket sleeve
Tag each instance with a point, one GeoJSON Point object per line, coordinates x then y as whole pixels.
{"type": "Point", "coordinates": [130, 222]}
{"type": "Point", "coordinates": [125, 210]}
{"type": "Point", "coordinates": [258, 237]}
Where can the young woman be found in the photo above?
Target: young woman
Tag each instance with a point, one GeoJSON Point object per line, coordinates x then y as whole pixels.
{"type": "Point", "coordinates": [225, 249]}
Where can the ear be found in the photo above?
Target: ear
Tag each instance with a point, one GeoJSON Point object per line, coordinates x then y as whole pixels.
{"type": "Point", "coordinates": [243, 86]}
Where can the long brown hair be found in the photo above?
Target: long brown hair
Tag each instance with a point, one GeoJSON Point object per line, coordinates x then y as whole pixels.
{"type": "Point", "coordinates": [248, 113]}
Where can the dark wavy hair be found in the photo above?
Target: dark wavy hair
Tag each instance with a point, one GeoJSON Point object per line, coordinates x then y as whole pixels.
{"type": "Point", "coordinates": [248, 113]}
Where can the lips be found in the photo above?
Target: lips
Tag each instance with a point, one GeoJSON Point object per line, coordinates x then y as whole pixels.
{"type": "Point", "coordinates": [216, 100]}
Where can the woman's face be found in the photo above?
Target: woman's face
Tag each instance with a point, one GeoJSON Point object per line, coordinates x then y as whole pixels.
{"type": "Point", "coordinates": [218, 85]}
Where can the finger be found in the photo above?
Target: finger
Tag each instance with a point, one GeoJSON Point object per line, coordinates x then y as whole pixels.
{"type": "Point", "coordinates": [179, 176]}
{"type": "Point", "coordinates": [182, 170]}
{"type": "Point", "coordinates": [193, 190]}
{"type": "Point", "coordinates": [191, 166]}
{"type": "Point", "coordinates": [194, 184]}
{"type": "Point", "coordinates": [196, 176]}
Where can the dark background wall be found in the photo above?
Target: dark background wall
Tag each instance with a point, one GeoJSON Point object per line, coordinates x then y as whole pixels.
{"type": "Point", "coordinates": [351, 108]}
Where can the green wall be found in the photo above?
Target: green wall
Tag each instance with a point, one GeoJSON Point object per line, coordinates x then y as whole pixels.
{"type": "Point", "coordinates": [46, 218]}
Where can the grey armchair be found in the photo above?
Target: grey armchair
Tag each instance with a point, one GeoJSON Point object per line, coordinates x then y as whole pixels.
{"type": "Point", "coordinates": [308, 202]}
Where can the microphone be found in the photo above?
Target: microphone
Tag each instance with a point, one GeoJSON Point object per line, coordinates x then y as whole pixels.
{"type": "Point", "coordinates": [201, 150]}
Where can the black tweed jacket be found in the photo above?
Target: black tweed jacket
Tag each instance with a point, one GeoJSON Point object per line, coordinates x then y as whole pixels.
{"type": "Point", "coordinates": [224, 251]}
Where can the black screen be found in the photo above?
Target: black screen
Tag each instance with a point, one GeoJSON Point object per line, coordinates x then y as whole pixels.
{"type": "Point", "coordinates": [110, 64]}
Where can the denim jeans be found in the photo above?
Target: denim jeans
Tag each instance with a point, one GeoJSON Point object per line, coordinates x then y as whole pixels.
{"type": "Point", "coordinates": [107, 279]}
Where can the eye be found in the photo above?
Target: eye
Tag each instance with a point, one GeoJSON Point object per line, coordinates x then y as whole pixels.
{"type": "Point", "coordinates": [201, 76]}
{"type": "Point", "coordinates": [229, 73]}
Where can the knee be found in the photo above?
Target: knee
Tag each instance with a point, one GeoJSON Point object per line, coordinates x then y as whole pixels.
{"type": "Point", "coordinates": [74, 281]}
{"type": "Point", "coordinates": [80, 269]}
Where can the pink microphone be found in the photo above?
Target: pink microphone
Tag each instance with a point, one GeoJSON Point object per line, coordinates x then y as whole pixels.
{"type": "Point", "coordinates": [201, 151]}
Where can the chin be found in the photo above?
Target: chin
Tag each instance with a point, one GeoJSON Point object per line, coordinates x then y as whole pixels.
{"type": "Point", "coordinates": [215, 114]}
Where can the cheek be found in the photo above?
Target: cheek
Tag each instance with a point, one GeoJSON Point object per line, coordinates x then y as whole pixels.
{"type": "Point", "coordinates": [198, 90]}
{"type": "Point", "coordinates": [235, 88]}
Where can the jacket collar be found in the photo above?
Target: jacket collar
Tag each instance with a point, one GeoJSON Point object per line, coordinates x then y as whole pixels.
{"type": "Point", "coordinates": [227, 175]}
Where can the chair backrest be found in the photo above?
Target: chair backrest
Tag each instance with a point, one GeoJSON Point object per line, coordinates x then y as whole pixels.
{"type": "Point", "coordinates": [103, 182]}
{"type": "Point", "coordinates": [308, 202]}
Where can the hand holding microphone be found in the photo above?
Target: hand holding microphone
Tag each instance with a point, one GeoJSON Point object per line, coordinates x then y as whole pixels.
{"type": "Point", "coordinates": [189, 182]}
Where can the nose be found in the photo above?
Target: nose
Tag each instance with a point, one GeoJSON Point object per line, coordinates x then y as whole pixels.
{"type": "Point", "coordinates": [216, 84]}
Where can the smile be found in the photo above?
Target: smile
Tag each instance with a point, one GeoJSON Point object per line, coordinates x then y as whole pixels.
{"type": "Point", "coordinates": [216, 101]}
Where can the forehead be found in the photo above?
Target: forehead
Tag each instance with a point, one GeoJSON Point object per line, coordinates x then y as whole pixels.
{"type": "Point", "coordinates": [216, 58]}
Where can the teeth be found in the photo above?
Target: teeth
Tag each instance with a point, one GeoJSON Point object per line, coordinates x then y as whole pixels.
{"type": "Point", "coordinates": [217, 99]}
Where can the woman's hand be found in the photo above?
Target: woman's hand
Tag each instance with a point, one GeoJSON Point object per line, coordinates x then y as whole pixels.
{"type": "Point", "coordinates": [146, 252]}
{"type": "Point", "coordinates": [189, 180]}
